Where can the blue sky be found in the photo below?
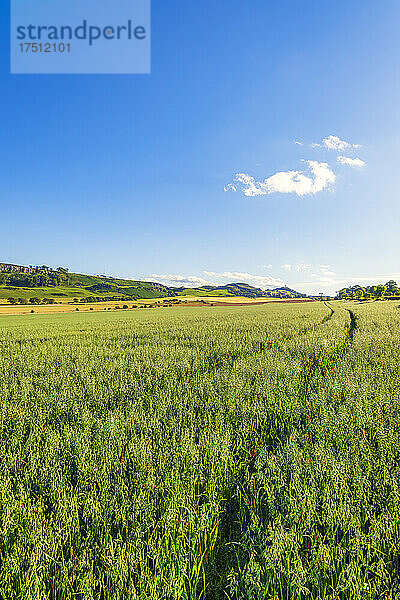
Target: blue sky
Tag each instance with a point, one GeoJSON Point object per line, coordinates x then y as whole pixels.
{"type": "Point", "coordinates": [125, 174]}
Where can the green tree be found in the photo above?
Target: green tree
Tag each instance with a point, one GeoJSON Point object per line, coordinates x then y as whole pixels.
{"type": "Point", "coordinates": [392, 288]}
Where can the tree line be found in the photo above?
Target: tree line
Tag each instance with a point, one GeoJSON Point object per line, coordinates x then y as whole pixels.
{"type": "Point", "coordinates": [31, 301]}
{"type": "Point", "coordinates": [388, 291]}
{"type": "Point", "coordinates": [35, 280]}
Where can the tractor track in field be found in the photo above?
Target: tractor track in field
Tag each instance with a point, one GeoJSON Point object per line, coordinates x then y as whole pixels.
{"type": "Point", "coordinates": [216, 361]}
{"type": "Point", "coordinates": [353, 325]}
{"type": "Point", "coordinates": [268, 435]}
{"type": "Point", "coordinates": [317, 364]}
{"type": "Point", "coordinates": [323, 362]}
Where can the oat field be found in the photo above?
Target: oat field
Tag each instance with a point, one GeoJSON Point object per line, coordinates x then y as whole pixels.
{"type": "Point", "coordinates": [230, 453]}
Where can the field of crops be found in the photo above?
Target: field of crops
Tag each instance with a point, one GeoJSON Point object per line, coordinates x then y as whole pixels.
{"type": "Point", "coordinates": [240, 453]}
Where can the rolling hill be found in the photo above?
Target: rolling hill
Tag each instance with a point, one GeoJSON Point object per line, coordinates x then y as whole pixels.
{"type": "Point", "coordinates": [48, 284]}
{"type": "Point", "coordinates": [239, 289]}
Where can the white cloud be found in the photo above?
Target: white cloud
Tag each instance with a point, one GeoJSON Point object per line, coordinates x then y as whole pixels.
{"type": "Point", "coordinates": [326, 270]}
{"type": "Point", "coordinates": [334, 283]}
{"type": "Point", "coordinates": [238, 277]}
{"type": "Point", "coordinates": [267, 266]}
{"type": "Point", "coordinates": [302, 267]}
{"type": "Point", "coordinates": [177, 280]}
{"type": "Point", "coordinates": [298, 143]}
{"type": "Point", "coordinates": [214, 278]}
{"type": "Point", "coordinates": [351, 162]}
{"type": "Point", "coordinates": [324, 277]}
{"type": "Point", "coordinates": [298, 268]}
{"type": "Point", "coordinates": [231, 187]}
{"type": "Point", "coordinates": [333, 142]}
{"type": "Point", "coordinates": [327, 276]}
{"type": "Point", "coordinates": [288, 182]}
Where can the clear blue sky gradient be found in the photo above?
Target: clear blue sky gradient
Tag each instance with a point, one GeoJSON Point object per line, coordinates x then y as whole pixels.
{"type": "Point", "coordinates": [126, 174]}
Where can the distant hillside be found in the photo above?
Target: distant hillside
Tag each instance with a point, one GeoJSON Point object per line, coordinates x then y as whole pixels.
{"type": "Point", "coordinates": [37, 283]}
{"type": "Point", "coordinates": [62, 284]}
{"type": "Point", "coordinates": [240, 289]}
{"type": "Point", "coordinates": [111, 286]}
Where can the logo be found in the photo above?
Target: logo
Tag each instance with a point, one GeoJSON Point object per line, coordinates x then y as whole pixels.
{"type": "Point", "coordinates": [86, 36]}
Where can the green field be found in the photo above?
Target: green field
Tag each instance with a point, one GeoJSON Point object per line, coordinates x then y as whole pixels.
{"type": "Point", "coordinates": [239, 453]}
{"type": "Point", "coordinates": [58, 293]}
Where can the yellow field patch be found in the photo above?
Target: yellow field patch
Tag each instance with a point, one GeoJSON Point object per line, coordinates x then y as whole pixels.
{"type": "Point", "coordinates": [68, 307]}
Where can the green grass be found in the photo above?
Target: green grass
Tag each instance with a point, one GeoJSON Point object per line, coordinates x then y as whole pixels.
{"type": "Point", "coordinates": [244, 453]}
{"type": "Point", "coordinates": [58, 292]}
